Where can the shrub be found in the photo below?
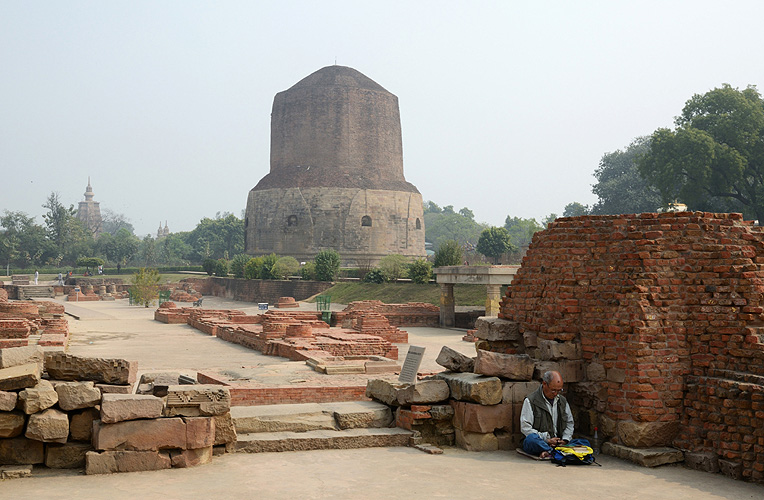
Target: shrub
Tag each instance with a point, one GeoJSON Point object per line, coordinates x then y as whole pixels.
{"type": "Point", "coordinates": [221, 268]}
{"type": "Point", "coordinates": [208, 266]}
{"type": "Point", "coordinates": [252, 268]}
{"type": "Point", "coordinates": [266, 270]}
{"type": "Point", "coordinates": [449, 253]}
{"type": "Point", "coordinates": [145, 287]}
{"type": "Point", "coordinates": [374, 276]}
{"type": "Point", "coordinates": [420, 271]}
{"type": "Point", "coordinates": [238, 263]}
{"type": "Point", "coordinates": [327, 265]}
{"type": "Point", "coordinates": [308, 271]}
{"type": "Point", "coordinates": [393, 267]}
{"type": "Point", "coordinates": [285, 267]}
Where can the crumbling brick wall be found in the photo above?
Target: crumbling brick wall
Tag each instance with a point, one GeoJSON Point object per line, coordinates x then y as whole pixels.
{"type": "Point", "coordinates": [667, 312]}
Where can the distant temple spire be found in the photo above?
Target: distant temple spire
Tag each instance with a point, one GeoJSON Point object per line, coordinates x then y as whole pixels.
{"type": "Point", "coordinates": [89, 212]}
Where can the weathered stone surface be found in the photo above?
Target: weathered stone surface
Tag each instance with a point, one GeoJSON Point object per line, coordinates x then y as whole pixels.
{"type": "Point", "coordinates": [475, 441]}
{"type": "Point", "coordinates": [50, 426]}
{"type": "Point", "coordinates": [423, 392]}
{"type": "Point", "coordinates": [19, 377]}
{"type": "Point", "coordinates": [646, 434]}
{"type": "Point", "coordinates": [495, 329]}
{"type": "Point", "coordinates": [17, 356]}
{"type": "Point", "coordinates": [442, 412]}
{"type": "Point", "coordinates": [20, 451]}
{"type": "Point", "coordinates": [140, 435]}
{"type": "Point", "coordinates": [120, 407]}
{"type": "Point", "coordinates": [472, 387]}
{"type": "Point", "coordinates": [160, 378]}
{"type": "Point", "coordinates": [200, 432]}
{"type": "Point", "coordinates": [115, 389]}
{"type": "Point", "coordinates": [516, 392]}
{"type": "Point", "coordinates": [455, 361]}
{"type": "Point", "coordinates": [8, 400]}
{"type": "Point", "coordinates": [11, 424]}
{"type": "Point", "coordinates": [706, 461]}
{"type": "Point", "coordinates": [530, 339]}
{"type": "Point", "coordinates": [731, 469]}
{"type": "Point", "coordinates": [647, 457]}
{"type": "Point", "coordinates": [365, 414]}
{"type": "Point", "coordinates": [38, 398]}
{"type": "Point", "coordinates": [191, 458]}
{"type": "Point", "coordinates": [279, 418]}
{"type": "Point", "coordinates": [510, 366]}
{"type": "Point", "coordinates": [225, 431]}
{"type": "Point", "coordinates": [616, 375]}
{"type": "Point", "coordinates": [197, 400]}
{"type": "Point", "coordinates": [595, 372]}
{"type": "Point", "coordinates": [570, 370]}
{"type": "Point", "coordinates": [607, 426]}
{"type": "Point", "coordinates": [77, 395]}
{"type": "Point", "coordinates": [81, 424]}
{"type": "Point", "coordinates": [109, 462]}
{"type": "Point", "coordinates": [62, 366]}
{"type": "Point", "coordinates": [67, 455]}
{"type": "Point", "coordinates": [553, 350]}
{"type": "Point", "coordinates": [472, 417]}
{"type": "Point", "coordinates": [15, 471]}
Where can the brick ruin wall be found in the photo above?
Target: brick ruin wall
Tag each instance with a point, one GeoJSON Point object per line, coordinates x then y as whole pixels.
{"type": "Point", "coordinates": [667, 313]}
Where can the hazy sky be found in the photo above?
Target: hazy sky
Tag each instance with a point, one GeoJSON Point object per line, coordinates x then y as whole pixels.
{"type": "Point", "coordinates": [506, 107]}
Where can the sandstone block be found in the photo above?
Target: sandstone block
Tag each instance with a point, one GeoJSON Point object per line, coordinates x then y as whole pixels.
{"type": "Point", "coordinates": [472, 387]}
{"type": "Point", "coordinates": [647, 457]}
{"type": "Point", "coordinates": [472, 417]}
{"type": "Point", "coordinates": [19, 377]}
{"type": "Point", "coordinates": [114, 389]}
{"type": "Point", "coordinates": [570, 370]}
{"type": "Point", "coordinates": [8, 400]}
{"type": "Point", "coordinates": [140, 435]}
{"type": "Point", "coordinates": [706, 461]}
{"type": "Point", "coordinates": [607, 426]}
{"type": "Point", "coordinates": [496, 329]}
{"type": "Point", "coordinates": [225, 431]}
{"type": "Point", "coordinates": [553, 350]}
{"type": "Point", "coordinates": [67, 455]}
{"type": "Point", "coordinates": [200, 432]}
{"type": "Point", "coordinates": [595, 372]}
{"type": "Point", "coordinates": [109, 462]}
{"type": "Point", "coordinates": [455, 361]}
{"type": "Point", "coordinates": [731, 469]}
{"type": "Point", "coordinates": [646, 434]}
{"type": "Point", "coordinates": [20, 451]}
{"type": "Point", "coordinates": [50, 426]}
{"type": "Point", "coordinates": [510, 366]}
{"type": "Point", "coordinates": [442, 412]}
{"type": "Point", "coordinates": [11, 424]}
{"type": "Point", "coordinates": [423, 392]}
{"type": "Point", "coordinates": [616, 375]}
{"type": "Point", "coordinates": [530, 339]}
{"type": "Point", "coordinates": [516, 392]}
{"type": "Point", "coordinates": [16, 356]}
{"type": "Point", "coordinates": [197, 400]}
{"type": "Point", "coordinates": [120, 407]}
{"type": "Point", "coordinates": [362, 415]}
{"type": "Point", "coordinates": [37, 398]}
{"type": "Point", "coordinates": [62, 366]}
{"type": "Point", "coordinates": [160, 378]}
{"type": "Point", "coordinates": [474, 441]}
{"type": "Point", "coordinates": [77, 395]}
{"type": "Point", "coordinates": [191, 458]}
{"type": "Point", "coordinates": [81, 424]}
{"type": "Point", "coordinates": [15, 471]}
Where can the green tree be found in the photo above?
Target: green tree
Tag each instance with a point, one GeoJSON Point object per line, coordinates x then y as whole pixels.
{"type": "Point", "coordinates": [69, 237]}
{"type": "Point", "coordinates": [214, 237]}
{"type": "Point", "coordinates": [449, 253]}
{"type": "Point", "coordinates": [549, 219]}
{"type": "Point", "coordinates": [308, 271]}
{"type": "Point", "coordinates": [420, 271]}
{"type": "Point", "coordinates": [620, 187]}
{"type": "Point", "coordinates": [393, 267]}
{"type": "Point", "coordinates": [327, 265]}
{"type": "Point", "coordinates": [148, 251]}
{"type": "Point", "coordinates": [575, 209]}
{"type": "Point", "coordinates": [714, 158]}
{"type": "Point", "coordinates": [23, 243]}
{"type": "Point", "coordinates": [285, 267]}
{"type": "Point", "coordinates": [494, 242]}
{"type": "Point", "coordinates": [238, 264]}
{"type": "Point", "coordinates": [446, 224]}
{"type": "Point", "coordinates": [145, 287]}
{"type": "Point", "coordinates": [266, 266]}
{"type": "Point", "coordinates": [221, 268]}
{"type": "Point", "coordinates": [112, 222]}
{"type": "Point", "coordinates": [252, 269]}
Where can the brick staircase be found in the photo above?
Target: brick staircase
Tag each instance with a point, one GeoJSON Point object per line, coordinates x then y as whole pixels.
{"type": "Point", "coordinates": [316, 426]}
{"type": "Point", "coordinates": [36, 292]}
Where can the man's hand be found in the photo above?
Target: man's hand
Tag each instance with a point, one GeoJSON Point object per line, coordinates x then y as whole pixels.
{"type": "Point", "coordinates": [555, 441]}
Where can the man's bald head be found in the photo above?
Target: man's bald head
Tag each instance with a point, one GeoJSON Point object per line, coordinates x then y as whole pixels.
{"type": "Point", "coordinates": [551, 384]}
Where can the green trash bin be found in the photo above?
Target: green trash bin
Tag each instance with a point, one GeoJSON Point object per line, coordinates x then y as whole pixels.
{"type": "Point", "coordinates": [324, 302]}
{"type": "Point", "coordinates": [164, 296]}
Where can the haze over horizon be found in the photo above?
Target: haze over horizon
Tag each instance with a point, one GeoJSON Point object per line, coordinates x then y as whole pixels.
{"type": "Point", "coordinates": [506, 107]}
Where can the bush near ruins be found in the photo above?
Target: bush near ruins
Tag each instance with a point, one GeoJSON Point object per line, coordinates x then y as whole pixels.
{"type": "Point", "coordinates": [89, 262]}
{"type": "Point", "coordinates": [252, 268]}
{"type": "Point", "coordinates": [494, 242]}
{"type": "Point", "coordinates": [209, 266]}
{"type": "Point", "coordinates": [374, 276]}
{"type": "Point", "coordinates": [393, 267]}
{"type": "Point", "coordinates": [145, 287]}
{"type": "Point", "coordinates": [420, 271]}
{"type": "Point", "coordinates": [327, 265]}
{"type": "Point", "coordinates": [266, 270]}
{"type": "Point", "coordinates": [308, 271]}
{"type": "Point", "coordinates": [237, 265]}
{"type": "Point", "coordinates": [221, 268]}
{"type": "Point", "coordinates": [285, 267]}
{"type": "Point", "coordinates": [449, 253]}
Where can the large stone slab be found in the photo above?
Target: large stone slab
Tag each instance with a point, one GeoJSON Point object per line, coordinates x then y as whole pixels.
{"type": "Point", "coordinates": [16, 356]}
{"type": "Point", "coordinates": [647, 457]}
{"type": "Point", "coordinates": [81, 424]}
{"type": "Point", "coordinates": [109, 462]}
{"type": "Point", "coordinates": [15, 471]}
{"type": "Point", "coordinates": [197, 400]}
{"type": "Point", "coordinates": [140, 435]}
{"type": "Point", "coordinates": [120, 407]}
{"type": "Point", "coordinates": [322, 440]}
{"type": "Point", "coordinates": [114, 389]}
{"type": "Point", "coordinates": [77, 395]}
{"type": "Point", "coordinates": [19, 377]}
{"type": "Point", "coordinates": [362, 414]}
{"type": "Point", "coordinates": [516, 392]}
{"type": "Point", "coordinates": [423, 392]}
{"type": "Point", "coordinates": [482, 419]}
{"type": "Point", "coordinates": [191, 458]}
{"type": "Point", "coordinates": [280, 418]}
{"type": "Point", "coordinates": [553, 350]}
{"type": "Point", "coordinates": [509, 366]}
{"type": "Point", "coordinates": [37, 398]}
{"type": "Point", "coordinates": [472, 387]}
{"type": "Point", "coordinates": [50, 426]}
{"type": "Point", "coordinates": [11, 424]}
{"type": "Point", "coordinates": [62, 366]}
{"type": "Point", "coordinates": [475, 441]}
{"type": "Point", "coordinates": [225, 431]}
{"type": "Point", "coordinates": [496, 329]}
{"type": "Point", "coordinates": [67, 455]}
{"type": "Point", "coordinates": [20, 451]}
{"type": "Point", "coordinates": [200, 432]}
{"type": "Point", "coordinates": [706, 461]}
{"type": "Point", "coordinates": [455, 361]}
{"type": "Point", "coordinates": [570, 370]}
{"type": "Point", "coordinates": [8, 400]}
{"type": "Point", "coordinates": [646, 434]}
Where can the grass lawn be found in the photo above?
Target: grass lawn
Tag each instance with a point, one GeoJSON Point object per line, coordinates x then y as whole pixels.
{"type": "Point", "coordinates": [396, 293]}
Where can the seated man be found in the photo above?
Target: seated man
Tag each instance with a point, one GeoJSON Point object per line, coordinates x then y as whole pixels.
{"type": "Point", "coordinates": [546, 420]}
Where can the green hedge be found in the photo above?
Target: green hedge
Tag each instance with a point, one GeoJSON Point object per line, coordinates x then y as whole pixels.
{"type": "Point", "coordinates": [78, 271]}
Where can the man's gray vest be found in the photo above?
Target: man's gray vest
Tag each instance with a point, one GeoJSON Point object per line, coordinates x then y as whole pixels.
{"type": "Point", "coordinates": [542, 419]}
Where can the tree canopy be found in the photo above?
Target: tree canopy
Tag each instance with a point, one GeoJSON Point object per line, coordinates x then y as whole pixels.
{"type": "Point", "coordinates": [494, 242]}
{"type": "Point", "coordinates": [443, 224]}
{"type": "Point", "coordinates": [714, 158]}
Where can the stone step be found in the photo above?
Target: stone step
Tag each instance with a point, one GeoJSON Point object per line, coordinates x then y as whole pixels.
{"type": "Point", "coordinates": [310, 417]}
{"type": "Point", "coordinates": [36, 291]}
{"type": "Point", "coordinates": [322, 440]}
